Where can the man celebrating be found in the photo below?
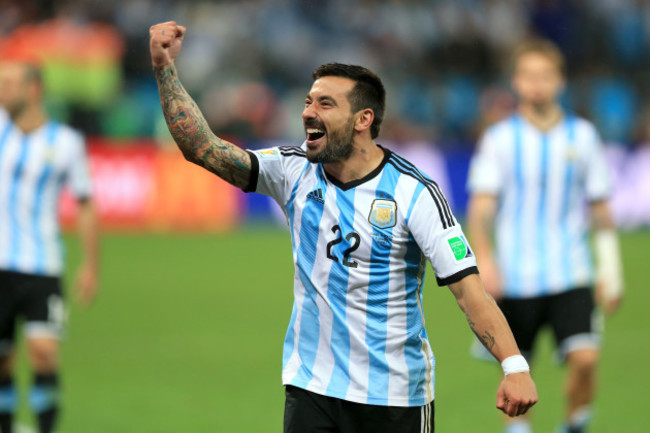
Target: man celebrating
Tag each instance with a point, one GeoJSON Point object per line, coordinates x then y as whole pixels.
{"type": "Point", "coordinates": [37, 157]}
{"type": "Point", "coordinates": [534, 173]}
{"type": "Point", "coordinates": [363, 223]}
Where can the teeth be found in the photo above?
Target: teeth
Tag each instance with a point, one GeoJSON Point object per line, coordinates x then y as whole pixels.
{"type": "Point", "coordinates": [314, 131]}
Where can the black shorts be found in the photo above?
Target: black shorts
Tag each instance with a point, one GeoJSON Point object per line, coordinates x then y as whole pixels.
{"type": "Point", "coordinates": [308, 412]}
{"type": "Point", "coordinates": [571, 316]}
{"type": "Point", "coordinates": [37, 300]}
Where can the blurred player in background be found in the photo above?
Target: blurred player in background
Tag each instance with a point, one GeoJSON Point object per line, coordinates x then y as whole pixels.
{"type": "Point", "coordinates": [363, 222]}
{"type": "Point", "coordinates": [530, 182]}
{"type": "Point", "coordinates": [37, 158]}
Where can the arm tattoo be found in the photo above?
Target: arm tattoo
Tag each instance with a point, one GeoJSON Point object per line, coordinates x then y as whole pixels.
{"type": "Point", "coordinates": [193, 136]}
{"type": "Point", "coordinates": [486, 339]}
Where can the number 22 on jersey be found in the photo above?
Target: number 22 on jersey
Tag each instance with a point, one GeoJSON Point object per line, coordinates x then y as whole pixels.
{"type": "Point", "coordinates": [353, 238]}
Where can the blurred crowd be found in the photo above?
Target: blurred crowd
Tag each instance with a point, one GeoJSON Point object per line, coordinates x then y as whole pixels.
{"type": "Point", "coordinates": [248, 63]}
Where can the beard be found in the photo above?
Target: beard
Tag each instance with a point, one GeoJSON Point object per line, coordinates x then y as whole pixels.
{"type": "Point", "coordinates": [541, 102]}
{"type": "Point", "coordinates": [339, 143]}
{"type": "Point", "coordinates": [14, 108]}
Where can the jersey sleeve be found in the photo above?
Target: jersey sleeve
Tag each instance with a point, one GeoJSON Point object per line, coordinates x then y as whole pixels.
{"type": "Point", "coordinates": [485, 174]}
{"type": "Point", "coordinates": [441, 239]}
{"type": "Point", "coordinates": [79, 180]}
{"type": "Point", "coordinates": [598, 182]}
{"type": "Point", "coordinates": [274, 171]}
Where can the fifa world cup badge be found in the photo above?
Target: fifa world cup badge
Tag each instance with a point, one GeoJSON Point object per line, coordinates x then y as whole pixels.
{"type": "Point", "coordinates": [382, 214]}
{"type": "Point", "coordinates": [459, 248]}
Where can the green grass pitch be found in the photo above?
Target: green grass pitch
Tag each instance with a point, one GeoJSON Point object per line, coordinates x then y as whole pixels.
{"type": "Point", "coordinates": [187, 335]}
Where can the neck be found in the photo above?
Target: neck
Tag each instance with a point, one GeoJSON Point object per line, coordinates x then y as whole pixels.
{"type": "Point", "coordinates": [544, 116]}
{"type": "Point", "coordinates": [365, 157]}
{"type": "Point", "coordinates": [30, 119]}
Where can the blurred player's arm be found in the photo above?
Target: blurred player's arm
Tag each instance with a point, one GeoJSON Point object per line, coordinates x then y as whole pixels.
{"type": "Point", "coordinates": [185, 121]}
{"type": "Point", "coordinates": [87, 276]}
{"type": "Point", "coordinates": [609, 287]}
{"type": "Point", "coordinates": [517, 392]}
{"type": "Point", "coordinates": [481, 211]}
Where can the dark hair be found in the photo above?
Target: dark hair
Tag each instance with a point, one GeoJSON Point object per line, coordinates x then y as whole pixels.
{"type": "Point", "coordinates": [368, 91]}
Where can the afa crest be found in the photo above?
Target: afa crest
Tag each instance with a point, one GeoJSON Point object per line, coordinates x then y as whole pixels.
{"type": "Point", "coordinates": [49, 155]}
{"type": "Point", "coordinates": [383, 214]}
{"type": "Point", "coordinates": [571, 155]}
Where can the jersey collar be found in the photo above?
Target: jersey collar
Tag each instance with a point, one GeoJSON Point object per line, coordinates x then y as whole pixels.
{"type": "Point", "coordinates": [354, 183]}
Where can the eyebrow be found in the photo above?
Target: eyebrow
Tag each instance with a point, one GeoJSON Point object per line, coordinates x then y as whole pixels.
{"type": "Point", "coordinates": [323, 98]}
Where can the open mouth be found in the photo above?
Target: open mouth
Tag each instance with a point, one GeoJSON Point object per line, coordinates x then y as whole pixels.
{"type": "Point", "coordinates": [314, 134]}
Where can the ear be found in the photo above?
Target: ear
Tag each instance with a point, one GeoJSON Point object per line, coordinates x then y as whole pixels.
{"type": "Point", "coordinates": [363, 120]}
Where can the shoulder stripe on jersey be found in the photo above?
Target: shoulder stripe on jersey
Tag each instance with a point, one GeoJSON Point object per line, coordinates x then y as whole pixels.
{"type": "Point", "coordinates": [298, 148]}
{"type": "Point", "coordinates": [286, 154]}
{"type": "Point", "coordinates": [434, 185]}
{"type": "Point", "coordinates": [441, 212]}
{"type": "Point", "coordinates": [406, 163]}
{"type": "Point", "coordinates": [301, 155]}
{"type": "Point", "coordinates": [440, 201]}
{"type": "Point", "coordinates": [292, 151]}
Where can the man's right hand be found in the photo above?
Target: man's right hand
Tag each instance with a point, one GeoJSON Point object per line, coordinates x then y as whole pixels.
{"type": "Point", "coordinates": [165, 43]}
{"type": "Point", "coordinates": [516, 394]}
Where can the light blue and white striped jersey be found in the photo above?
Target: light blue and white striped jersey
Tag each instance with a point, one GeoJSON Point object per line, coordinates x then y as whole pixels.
{"type": "Point", "coordinates": [33, 169]}
{"type": "Point", "coordinates": [544, 181]}
{"type": "Point", "coordinates": [360, 249]}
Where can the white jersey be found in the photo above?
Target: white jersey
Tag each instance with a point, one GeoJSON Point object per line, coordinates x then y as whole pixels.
{"type": "Point", "coordinates": [360, 249]}
{"type": "Point", "coordinates": [34, 167]}
{"type": "Point", "coordinates": [544, 181]}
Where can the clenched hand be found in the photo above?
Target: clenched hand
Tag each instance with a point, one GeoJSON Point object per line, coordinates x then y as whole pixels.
{"type": "Point", "coordinates": [165, 43]}
{"type": "Point", "coordinates": [516, 394]}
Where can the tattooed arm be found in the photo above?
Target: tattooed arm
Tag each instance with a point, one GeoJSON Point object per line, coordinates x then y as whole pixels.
{"type": "Point", "coordinates": [187, 125]}
{"type": "Point", "coordinates": [517, 392]}
{"type": "Point", "coordinates": [484, 317]}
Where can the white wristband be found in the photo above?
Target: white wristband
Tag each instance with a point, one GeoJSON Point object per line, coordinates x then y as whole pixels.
{"type": "Point", "coordinates": [514, 364]}
{"type": "Point", "coordinates": [610, 269]}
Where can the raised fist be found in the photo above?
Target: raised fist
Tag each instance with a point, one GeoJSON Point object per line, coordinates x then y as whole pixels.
{"type": "Point", "coordinates": [165, 43]}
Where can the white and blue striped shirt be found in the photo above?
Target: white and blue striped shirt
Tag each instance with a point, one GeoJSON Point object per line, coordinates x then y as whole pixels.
{"type": "Point", "coordinates": [34, 167]}
{"type": "Point", "coordinates": [360, 249]}
{"type": "Point", "coordinates": [543, 181]}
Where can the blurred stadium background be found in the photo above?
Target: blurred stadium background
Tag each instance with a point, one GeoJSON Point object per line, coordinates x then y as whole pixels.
{"type": "Point", "coordinates": [196, 287]}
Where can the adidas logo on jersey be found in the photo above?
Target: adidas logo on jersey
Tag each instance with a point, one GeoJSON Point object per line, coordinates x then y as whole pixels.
{"type": "Point", "coordinates": [316, 195]}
